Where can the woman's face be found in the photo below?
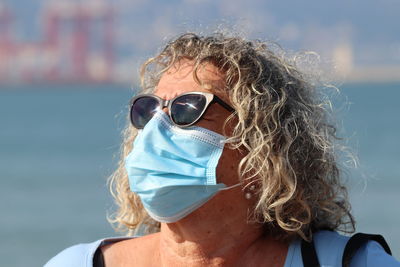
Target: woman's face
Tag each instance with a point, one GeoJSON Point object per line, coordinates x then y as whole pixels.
{"type": "Point", "coordinates": [178, 80]}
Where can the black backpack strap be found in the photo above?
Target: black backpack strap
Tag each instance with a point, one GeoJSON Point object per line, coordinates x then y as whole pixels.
{"type": "Point", "coordinates": [355, 243]}
{"type": "Point", "coordinates": [309, 254]}
{"type": "Point", "coordinates": [98, 258]}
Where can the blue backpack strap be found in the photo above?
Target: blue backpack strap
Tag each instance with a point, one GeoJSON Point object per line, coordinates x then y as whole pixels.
{"type": "Point", "coordinates": [309, 254]}
{"type": "Point", "coordinates": [356, 242]}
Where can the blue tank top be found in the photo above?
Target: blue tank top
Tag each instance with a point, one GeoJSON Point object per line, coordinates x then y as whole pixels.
{"type": "Point", "coordinates": [329, 247]}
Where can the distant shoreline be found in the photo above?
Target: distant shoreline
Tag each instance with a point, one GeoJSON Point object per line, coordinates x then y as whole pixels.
{"type": "Point", "coordinates": [358, 75]}
{"type": "Point", "coordinates": [385, 74]}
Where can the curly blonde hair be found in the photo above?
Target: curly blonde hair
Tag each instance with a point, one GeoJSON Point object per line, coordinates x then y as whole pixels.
{"type": "Point", "coordinates": [281, 121]}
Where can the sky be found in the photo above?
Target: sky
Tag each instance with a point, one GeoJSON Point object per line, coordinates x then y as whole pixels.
{"type": "Point", "coordinates": [368, 30]}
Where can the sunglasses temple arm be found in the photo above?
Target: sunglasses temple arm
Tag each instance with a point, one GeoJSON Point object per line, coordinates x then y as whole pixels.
{"type": "Point", "coordinates": [223, 103]}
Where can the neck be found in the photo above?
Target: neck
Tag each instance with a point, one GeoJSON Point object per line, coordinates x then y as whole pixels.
{"type": "Point", "coordinates": [214, 246]}
{"type": "Point", "coordinates": [215, 241]}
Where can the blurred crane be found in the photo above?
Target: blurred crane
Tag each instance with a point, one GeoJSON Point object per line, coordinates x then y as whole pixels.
{"type": "Point", "coordinates": [69, 51]}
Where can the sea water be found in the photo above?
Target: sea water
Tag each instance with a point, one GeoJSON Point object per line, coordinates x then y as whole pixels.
{"type": "Point", "coordinates": [58, 145]}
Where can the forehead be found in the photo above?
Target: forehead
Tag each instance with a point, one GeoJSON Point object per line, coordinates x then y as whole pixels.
{"type": "Point", "coordinates": [179, 79]}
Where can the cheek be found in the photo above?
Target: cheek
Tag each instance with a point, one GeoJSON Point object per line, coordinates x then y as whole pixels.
{"type": "Point", "coordinates": [227, 168]}
{"type": "Point", "coordinates": [213, 122]}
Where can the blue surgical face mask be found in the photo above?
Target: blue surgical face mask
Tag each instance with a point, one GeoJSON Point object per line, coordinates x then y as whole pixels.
{"type": "Point", "coordinates": [173, 170]}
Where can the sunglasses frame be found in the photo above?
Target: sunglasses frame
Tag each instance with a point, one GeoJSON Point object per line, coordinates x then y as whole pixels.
{"type": "Point", "coordinates": [210, 98]}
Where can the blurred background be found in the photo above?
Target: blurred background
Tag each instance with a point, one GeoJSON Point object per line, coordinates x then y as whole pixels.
{"type": "Point", "coordinates": [69, 68]}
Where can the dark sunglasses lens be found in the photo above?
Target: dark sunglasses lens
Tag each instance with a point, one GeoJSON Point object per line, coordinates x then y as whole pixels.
{"type": "Point", "coordinates": [143, 110]}
{"type": "Point", "coordinates": [187, 108]}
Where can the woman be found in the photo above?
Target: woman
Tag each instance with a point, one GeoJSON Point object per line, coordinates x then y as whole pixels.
{"type": "Point", "coordinates": [233, 164]}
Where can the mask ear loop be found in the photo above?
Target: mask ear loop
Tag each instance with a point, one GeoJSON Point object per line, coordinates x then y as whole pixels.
{"type": "Point", "coordinates": [230, 187]}
{"type": "Point", "coordinates": [247, 195]}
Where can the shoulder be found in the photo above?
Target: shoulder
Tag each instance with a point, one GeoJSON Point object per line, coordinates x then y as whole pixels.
{"type": "Point", "coordinates": [330, 246]}
{"type": "Point", "coordinates": [80, 255]}
{"type": "Point", "coordinates": [372, 254]}
{"type": "Point", "coordinates": [77, 255]}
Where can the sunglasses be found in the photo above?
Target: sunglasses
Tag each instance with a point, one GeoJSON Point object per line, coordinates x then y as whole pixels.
{"type": "Point", "coordinates": [184, 110]}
